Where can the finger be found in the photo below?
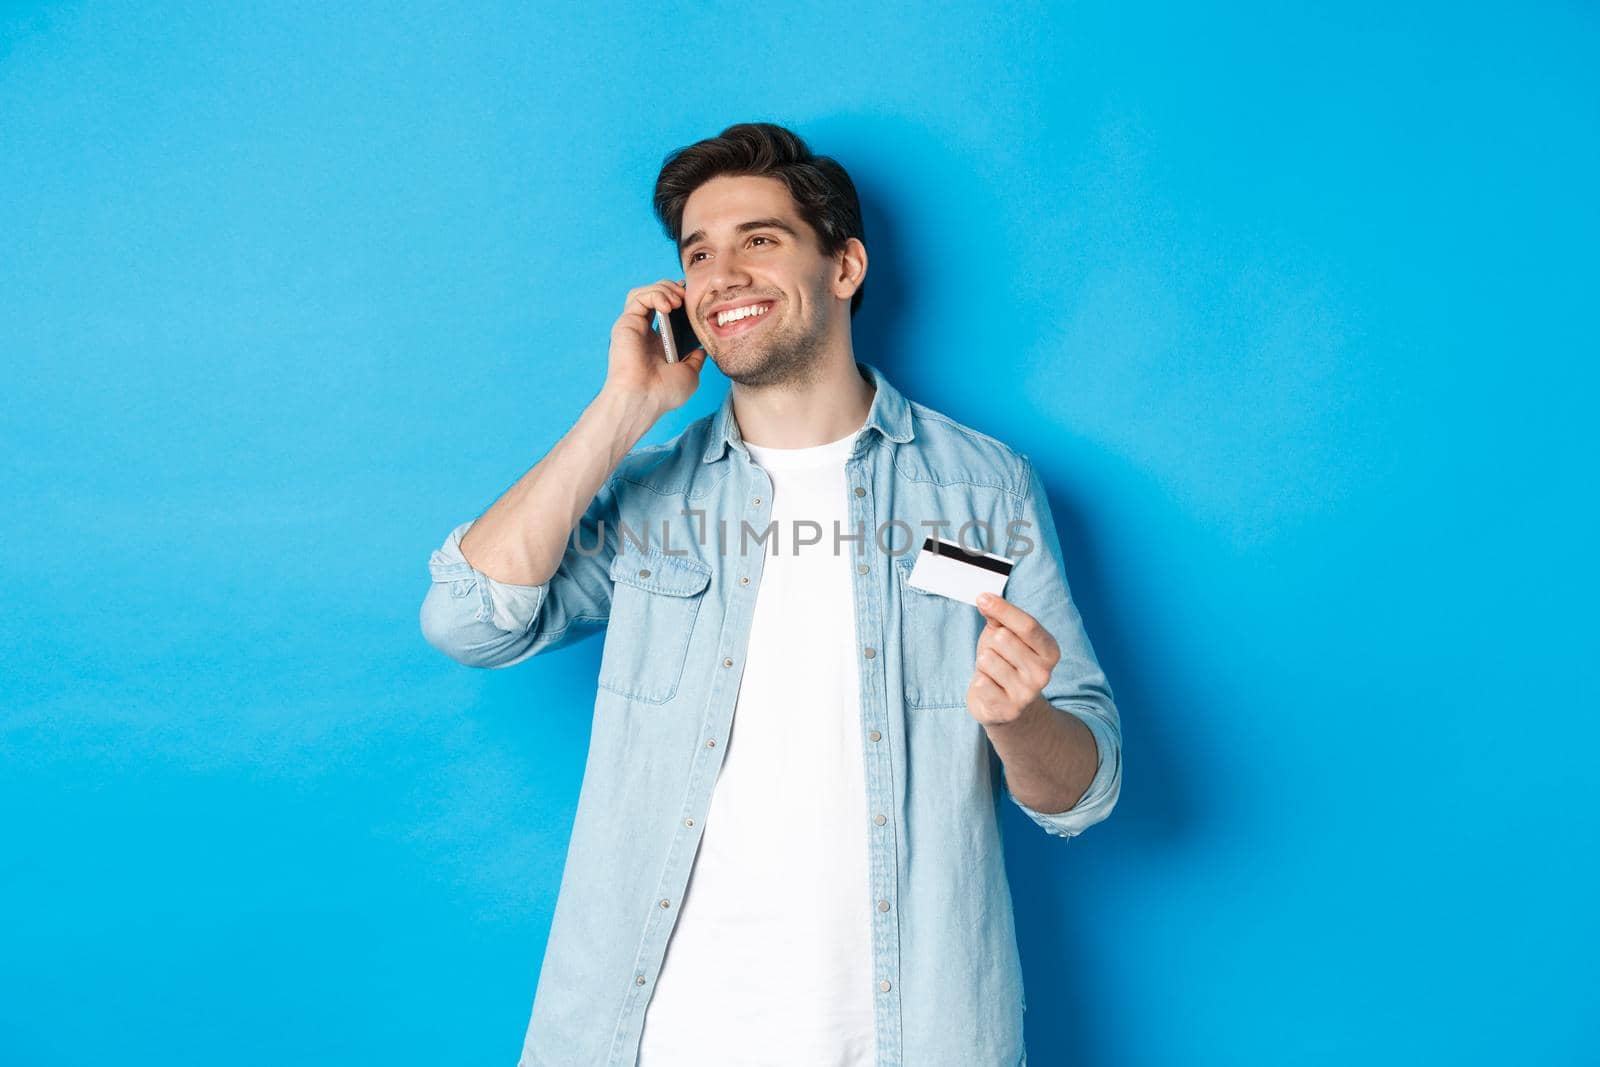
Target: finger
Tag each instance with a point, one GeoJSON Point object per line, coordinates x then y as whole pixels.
{"type": "Point", "coordinates": [1033, 669]}
{"type": "Point", "coordinates": [648, 299]}
{"type": "Point", "coordinates": [1003, 612]}
{"type": "Point", "coordinates": [985, 690]}
{"type": "Point", "coordinates": [1002, 673]}
{"type": "Point", "coordinates": [640, 303]}
{"type": "Point", "coordinates": [989, 694]}
{"type": "Point", "coordinates": [669, 288]}
{"type": "Point", "coordinates": [653, 299]}
{"type": "Point", "coordinates": [1006, 645]}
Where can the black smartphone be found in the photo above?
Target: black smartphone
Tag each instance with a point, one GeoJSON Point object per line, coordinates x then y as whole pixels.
{"type": "Point", "coordinates": [678, 338]}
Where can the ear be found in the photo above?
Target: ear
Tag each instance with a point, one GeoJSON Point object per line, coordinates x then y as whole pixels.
{"type": "Point", "coordinates": [850, 268]}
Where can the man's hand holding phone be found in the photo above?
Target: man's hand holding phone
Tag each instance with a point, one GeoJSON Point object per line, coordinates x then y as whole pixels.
{"type": "Point", "coordinates": [638, 360]}
{"type": "Point", "coordinates": [523, 537]}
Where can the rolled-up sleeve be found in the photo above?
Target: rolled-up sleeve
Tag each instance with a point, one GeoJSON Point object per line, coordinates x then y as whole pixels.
{"type": "Point", "coordinates": [1077, 685]}
{"type": "Point", "coordinates": [481, 622]}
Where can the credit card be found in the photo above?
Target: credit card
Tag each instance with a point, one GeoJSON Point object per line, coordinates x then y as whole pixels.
{"type": "Point", "coordinates": [945, 568]}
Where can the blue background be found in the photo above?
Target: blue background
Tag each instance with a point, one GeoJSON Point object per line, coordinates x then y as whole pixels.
{"type": "Point", "coordinates": [1294, 308]}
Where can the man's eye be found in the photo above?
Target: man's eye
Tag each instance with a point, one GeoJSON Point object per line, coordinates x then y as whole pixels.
{"type": "Point", "coordinates": [694, 257]}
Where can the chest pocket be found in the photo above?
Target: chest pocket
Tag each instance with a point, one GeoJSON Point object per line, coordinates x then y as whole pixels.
{"type": "Point", "coordinates": [655, 599]}
{"type": "Point", "coordinates": [939, 643]}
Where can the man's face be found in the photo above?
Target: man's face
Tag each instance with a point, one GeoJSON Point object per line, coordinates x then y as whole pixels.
{"type": "Point", "coordinates": [744, 243]}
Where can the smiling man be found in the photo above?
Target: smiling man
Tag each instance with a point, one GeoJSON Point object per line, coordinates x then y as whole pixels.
{"type": "Point", "coordinates": [787, 848]}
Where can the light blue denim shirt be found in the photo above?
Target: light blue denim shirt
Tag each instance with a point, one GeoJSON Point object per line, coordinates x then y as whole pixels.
{"type": "Point", "coordinates": [661, 563]}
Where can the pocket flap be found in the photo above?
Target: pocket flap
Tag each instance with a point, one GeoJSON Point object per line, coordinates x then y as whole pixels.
{"type": "Point", "coordinates": [654, 571]}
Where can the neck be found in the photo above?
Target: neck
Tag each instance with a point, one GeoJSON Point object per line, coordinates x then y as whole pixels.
{"type": "Point", "coordinates": [831, 404]}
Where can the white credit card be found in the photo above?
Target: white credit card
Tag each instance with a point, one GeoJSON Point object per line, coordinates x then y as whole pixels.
{"type": "Point", "coordinates": [945, 568]}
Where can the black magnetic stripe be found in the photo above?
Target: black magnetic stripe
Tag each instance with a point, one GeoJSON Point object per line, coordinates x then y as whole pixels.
{"type": "Point", "coordinates": [956, 552]}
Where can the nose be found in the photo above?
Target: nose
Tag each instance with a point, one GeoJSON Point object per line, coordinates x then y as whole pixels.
{"type": "Point", "coordinates": [726, 276]}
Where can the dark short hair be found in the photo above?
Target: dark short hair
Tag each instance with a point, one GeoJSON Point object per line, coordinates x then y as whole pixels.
{"type": "Point", "coordinates": [822, 191]}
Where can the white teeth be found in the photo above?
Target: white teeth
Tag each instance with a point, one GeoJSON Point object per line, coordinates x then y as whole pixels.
{"type": "Point", "coordinates": [725, 317]}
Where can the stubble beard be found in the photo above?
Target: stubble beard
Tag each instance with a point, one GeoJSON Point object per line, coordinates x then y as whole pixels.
{"type": "Point", "coordinates": [789, 357]}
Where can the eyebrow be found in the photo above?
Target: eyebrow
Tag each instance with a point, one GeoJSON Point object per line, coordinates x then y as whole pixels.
{"type": "Point", "coordinates": [769, 223]}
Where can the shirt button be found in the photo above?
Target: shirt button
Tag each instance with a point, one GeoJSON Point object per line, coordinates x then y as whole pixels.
{"type": "Point", "coordinates": [711, 742]}
{"type": "Point", "coordinates": [860, 491]}
{"type": "Point", "coordinates": [869, 652]}
{"type": "Point", "coordinates": [688, 822]}
{"type": "Point", "coordinates": [644, 574]}
{"type": "Point", "coordinates": [879, 819]}
{"type": "Point", "coordinates": [727, 662]}
{"type": "Point", "coordinates": [668, 904]}
{"type": "Point", "coordinates": [883, 905]}
{"type": "Point", "coordinates": [757, 502]}
{"type": "Point", "coordinates": [638, 979]}
{"type": "Point", "coordinates": [883, 986]}
{"type": "Point", "coordinates": [876, 736]}
{"type": "Point", "coordinates": [861, 568]}
{"type": "Point", "coordinates": [745, 580]}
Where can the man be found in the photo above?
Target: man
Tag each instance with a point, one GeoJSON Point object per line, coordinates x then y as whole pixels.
{"type": "Point", "coordinates": [787, 848]}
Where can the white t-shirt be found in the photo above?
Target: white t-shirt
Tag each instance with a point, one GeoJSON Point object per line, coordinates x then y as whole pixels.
{"type": "Point", "coordinates": [770, 963]}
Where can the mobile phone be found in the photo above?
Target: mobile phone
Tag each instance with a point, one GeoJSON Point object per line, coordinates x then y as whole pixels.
{"type": "Point", "coordinates": [678, 338]}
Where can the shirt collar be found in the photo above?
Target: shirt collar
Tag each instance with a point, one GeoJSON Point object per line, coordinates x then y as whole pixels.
{"type": "Point", "coordinates": [890, 415]}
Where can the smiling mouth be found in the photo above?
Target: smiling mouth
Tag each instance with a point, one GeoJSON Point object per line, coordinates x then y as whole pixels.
{"type": "Point", "coordinates": [749, 322]}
